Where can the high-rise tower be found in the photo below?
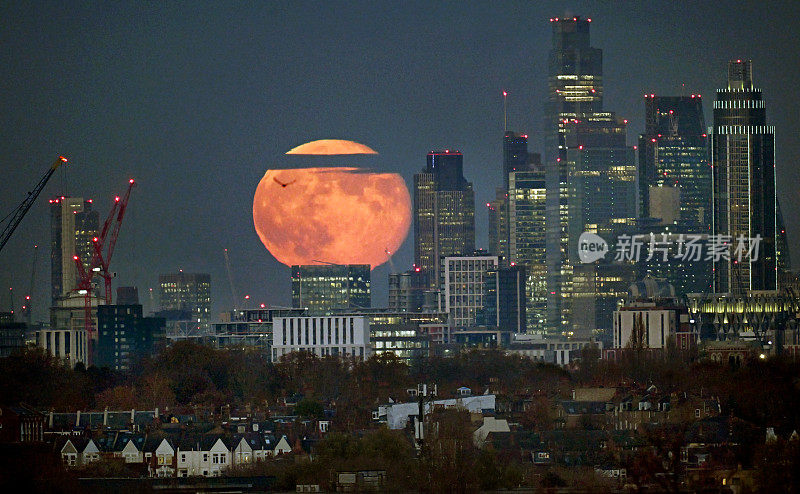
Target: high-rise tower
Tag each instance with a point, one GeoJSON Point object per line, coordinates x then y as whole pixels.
{"type": "Point", "coordinates": [673, 161]}
{"type": "Point", "coordinates": [73, 224]}
{"type": "Point", "coordinates": [589, 169]}
{"type": "Point", "coordinates": [744, 200]}
{"type": "Point", "coordinates": [444, 212]}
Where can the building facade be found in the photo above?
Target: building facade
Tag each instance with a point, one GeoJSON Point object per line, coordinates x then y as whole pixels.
{"type": "Point", "coordinates": [504, 299]}
{"type": "Point", "coordinates": [744, 197]}
{"type": "Point", "coordinates": [73, 225]}
{"type": "Point", "coordinates": [125, 336]}
{"type": "Point", "coordinates": [444, 212]}
{"type": "Point", "coordinates": [343, 336]}
{"type": "Point", "coordinates": [673, 155]}
{"type": "Point", "coordinates": [12, 334]}
{"type": "Point", "coordinates": [527, 240]}
{"type": "Point", "coordinates": [590, 172]}
{"type": "Point", "coordinates": [187, 292]}
{"type": "Point", "coordinates": [463, 286]}
{"type": "Point", "coordinates": [324, 288]}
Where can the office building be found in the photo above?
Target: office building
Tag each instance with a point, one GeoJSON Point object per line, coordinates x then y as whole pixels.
{"type": "Point", "coordinates": [187, 293]}
{"type": "Point", "coordinates": [504, 299]}
{"type": "Point", "coordinates": [248, 328]}
{"type": "Point", "coordinates": [12, 334]}
{"type": "Point", "coordinates": [463, 286]}
{"type": "Point", "coordinates": [497, 213]}
{"type": "Point", "coordinates": [125, 336]}
{"type": "Point", "coordinates": [342, 336]}
{"type": "Point", "coordinates": [407, 290]}
{"type": "Point", "coordinates": [323, 288]}
{"type": "Point", "coordinates": [515, 154]}
{"type": "Point", "coordinates": [590, 172]}
{"type": "Point", "coordinates": [73, 225]}
{"type": "Point", "coordinates": [527, 240]}
{"type": "Point", "coordinates": [598, 289]}
{"type": "Point", "coordinates": [444, 212]}
{"type": "Point", "coordinates": [744, 200]}
{"type": "Point", "coordinates": [674, 163]}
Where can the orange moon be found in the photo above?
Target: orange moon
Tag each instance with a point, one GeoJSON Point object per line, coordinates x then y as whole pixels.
{"type": "Point", "coordinates": [329, 147]}
{"type": "Point", "coordinates": [331, 215]}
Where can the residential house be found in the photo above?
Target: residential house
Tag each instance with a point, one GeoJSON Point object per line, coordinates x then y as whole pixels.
{"type": "Point", "coordinates": [21, 424]}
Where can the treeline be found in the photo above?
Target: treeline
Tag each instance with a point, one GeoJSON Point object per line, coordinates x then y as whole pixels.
{"type": "Point", "coordinates": [764, 392]}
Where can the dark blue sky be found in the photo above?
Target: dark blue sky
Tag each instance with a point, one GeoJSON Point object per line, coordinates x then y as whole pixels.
{"type": "Point", "coordinates": [197, 99]}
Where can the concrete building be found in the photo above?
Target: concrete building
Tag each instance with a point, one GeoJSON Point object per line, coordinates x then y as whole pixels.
{"type": "Point", "coordinates": [463, 286]}
{"type": "Point", "coordinates": [344, 336]}
{"type": "Point", "coordinates": [550, 349]}
{"type": "Point", "coordinates": [73, 224]}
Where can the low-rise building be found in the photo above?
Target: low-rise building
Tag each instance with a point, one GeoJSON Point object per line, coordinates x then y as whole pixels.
{"type": "Point", "coordinates": [344, 336]}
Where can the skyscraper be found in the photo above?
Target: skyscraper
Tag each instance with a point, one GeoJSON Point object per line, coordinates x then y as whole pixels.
{"type": "Point", "coordinates": [444, 212]}
{"type": "Point", "coordinates": [73, 224]}
{"type": "Point", "coordinates": [673, 154]}
{"type": "Point", "coordinates": [323, 288]}
{"type": "Point", "coordinates": [526, 245]}
{"type": "Point", "coordinates": [744, 200]}
{"type": "Point", "coordinates": [497, 214]}
{"type": "Point", "coordinates": [515, 154]}
{"type": "Point", "coordinates": [187, 292]}
{"type": "Point", "coordinates": [589, 169]}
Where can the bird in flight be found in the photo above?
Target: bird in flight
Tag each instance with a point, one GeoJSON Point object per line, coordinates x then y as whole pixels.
{"type": "Point", "coordinates": [283, 184]}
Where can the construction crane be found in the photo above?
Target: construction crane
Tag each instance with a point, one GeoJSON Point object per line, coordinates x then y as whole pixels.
{"type": "Point", "coordinates": [26, 204]}
{"type": "Point", "coordinates": [103, 259]}
{"type": "Point", "coordinates": [100, 261]}
{"type": "Point", "coordinates": [26, 309]}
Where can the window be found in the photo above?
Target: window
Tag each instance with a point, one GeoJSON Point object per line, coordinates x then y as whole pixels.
{"type": "Point", "coordinates": [205, 456]}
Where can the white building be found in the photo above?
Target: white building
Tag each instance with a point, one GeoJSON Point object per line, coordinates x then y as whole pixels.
{"type": "Point", "coordinates": [69, 345]}
{"type": "Point", "coordinates": [559, 351]}
{"type": "Point", "coordinates": [396, 415]}
{"type": "Point", "coordinates": [463, 286]}
{"type": "Point", "coordinates": [345, 336]}
{"type": "Point", "coordinates": [656, 325]}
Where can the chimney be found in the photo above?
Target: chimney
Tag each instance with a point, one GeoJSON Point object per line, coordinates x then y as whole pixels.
{"type": "Point", "coordinates": [105, 417]}
{"type": "Point", "coordinates": [50, 424]}
{"type": "Point", "coordinates": [78, 419]}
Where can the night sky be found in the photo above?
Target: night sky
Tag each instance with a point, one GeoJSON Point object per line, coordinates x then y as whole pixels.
{"type": "Point", "coordinates": [197, 100]}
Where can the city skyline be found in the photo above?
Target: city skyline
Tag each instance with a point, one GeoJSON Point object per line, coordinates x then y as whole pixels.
{"type": "Point", "coordinates": [219, 108]}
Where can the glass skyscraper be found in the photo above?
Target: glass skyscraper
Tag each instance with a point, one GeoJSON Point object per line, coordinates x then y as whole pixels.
{"type": "Point", "coordinates": [321, 289]}
{"type": "Point", "coordinates": [673, 154]}
{"type": "Point", "coordinates": [444, 212]}
{"type": "Point", "coordinates": [744, 200]}
{"type": "Point", "coordinates": [526, 213]}
{"type": "Point", "coordinates": [590, 172]}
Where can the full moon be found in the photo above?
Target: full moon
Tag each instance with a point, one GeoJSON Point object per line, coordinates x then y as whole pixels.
{"type": "Point", "coordinates": [331, 215]}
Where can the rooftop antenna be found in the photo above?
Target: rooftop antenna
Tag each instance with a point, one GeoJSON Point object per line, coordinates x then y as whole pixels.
{"type": "Point", "coordinates": [505, 111]}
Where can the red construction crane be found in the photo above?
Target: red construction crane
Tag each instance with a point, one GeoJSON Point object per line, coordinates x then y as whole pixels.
{"type": "Point", "coordinates": [100, 260]}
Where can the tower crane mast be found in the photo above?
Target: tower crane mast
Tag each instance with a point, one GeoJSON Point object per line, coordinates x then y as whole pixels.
{"type": "Point", "coordinates": [26, 204]}
{"type": "Point", "coordinates": [100, 261]}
